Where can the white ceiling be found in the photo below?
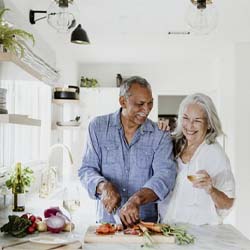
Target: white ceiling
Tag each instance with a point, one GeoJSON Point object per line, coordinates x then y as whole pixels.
{"type": "Point", "coordinates": [138, 29]}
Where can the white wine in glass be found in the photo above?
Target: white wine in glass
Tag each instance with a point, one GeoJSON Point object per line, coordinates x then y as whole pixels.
{"type": "Point", "coordinates": [71, 202]}
{"type": "Point", "coordinates": [71, 205]}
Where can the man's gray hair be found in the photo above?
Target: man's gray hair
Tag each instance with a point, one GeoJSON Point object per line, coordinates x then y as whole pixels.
{"type": "Point", "coordinates": [213, 121]}
{"type": "Point", "coordinates": [127, 84]}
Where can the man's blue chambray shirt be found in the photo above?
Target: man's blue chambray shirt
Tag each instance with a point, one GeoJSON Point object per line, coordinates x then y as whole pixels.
{"type": "Point", "coordinates": [146, 162]}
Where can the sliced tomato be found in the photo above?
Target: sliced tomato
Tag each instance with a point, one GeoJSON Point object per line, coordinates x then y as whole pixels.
{"type": "Point", "coordinates": [106, 229]}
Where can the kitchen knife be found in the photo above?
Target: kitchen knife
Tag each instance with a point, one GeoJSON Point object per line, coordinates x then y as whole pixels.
{"type": "Point", "coordinates": [117, 217]}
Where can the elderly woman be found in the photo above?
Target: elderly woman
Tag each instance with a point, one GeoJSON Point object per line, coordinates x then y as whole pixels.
{"type": "Point", "coordinates": [205, 188]}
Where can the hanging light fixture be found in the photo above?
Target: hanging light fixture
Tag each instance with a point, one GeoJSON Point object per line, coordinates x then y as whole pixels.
{"type": "Point", "coordinates": [202, 16]}
{"type": "Point", "coordinates": [79, 36]}
{"type": "Point", "coordinates": [62, 15]}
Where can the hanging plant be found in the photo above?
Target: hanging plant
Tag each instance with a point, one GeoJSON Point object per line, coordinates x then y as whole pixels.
{"type": "Point", "coordinates": [10, 38]}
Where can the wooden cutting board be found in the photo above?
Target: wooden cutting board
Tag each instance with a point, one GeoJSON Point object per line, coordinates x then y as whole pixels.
{"type": "Point", "coordinates": [120, 237]}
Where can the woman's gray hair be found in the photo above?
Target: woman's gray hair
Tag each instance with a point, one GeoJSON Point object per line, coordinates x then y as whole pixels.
{"type": "Point", "coordinates": [127, 84]}
{"type": "Point", "coordinates": [213, 120]}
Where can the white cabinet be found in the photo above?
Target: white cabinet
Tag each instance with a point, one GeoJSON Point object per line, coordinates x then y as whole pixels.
{"type": "Point", "coordinates": [98, 101]}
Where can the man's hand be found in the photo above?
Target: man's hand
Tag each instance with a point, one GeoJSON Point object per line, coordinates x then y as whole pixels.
{"type": "Point", "coordinates": [129, 213]}
{"type": "Point", "coordinates": [110, 197]}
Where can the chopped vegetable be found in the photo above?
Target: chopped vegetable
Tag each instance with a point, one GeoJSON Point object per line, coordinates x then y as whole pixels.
{"type": "Point", "coordinates": [17, 226]}
{"type": "Point", "coordinates": [51, 211]}
{"type": "Point", "coordinates": [55, 224]}
{"type": "Point", "coordinates": [182, 237]}
{"type": "Point", "coordinates": [146, 234]}
{"type": "Point", "coordinates": [106, 229]}
{"type": "Point", "coordinates": [41, 226]}
{"type": "Point", "coordinates": [69, 226]}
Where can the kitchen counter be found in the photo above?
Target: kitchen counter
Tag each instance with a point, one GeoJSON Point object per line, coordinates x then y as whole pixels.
{"type": "Point", "coordinates": [220, 237]}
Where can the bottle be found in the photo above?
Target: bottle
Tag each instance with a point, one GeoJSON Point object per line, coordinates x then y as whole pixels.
{"type": "Point", "coordinates": [118, 80]}
{"type": "Point", "coordinates": [18, 190]}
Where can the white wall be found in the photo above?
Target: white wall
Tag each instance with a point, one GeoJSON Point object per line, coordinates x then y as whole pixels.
{"type": "Point", "coordinates": [242, 125]}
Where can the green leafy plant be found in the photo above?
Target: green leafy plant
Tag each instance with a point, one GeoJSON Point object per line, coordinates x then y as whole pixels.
{"type": "Point", "coordinates": [88, 82]}
{"type": "Point", "coordinates": [10, 38]}
{"type": "Point", "coordinates": [26, 176]}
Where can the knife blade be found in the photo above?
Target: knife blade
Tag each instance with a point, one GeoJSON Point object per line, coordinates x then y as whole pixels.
{"type": "Point", "coordinates": [117, 217]}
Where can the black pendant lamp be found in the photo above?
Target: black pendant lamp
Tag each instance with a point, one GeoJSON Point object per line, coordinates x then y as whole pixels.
{"type": "Point", "coordinates": [79, 35]}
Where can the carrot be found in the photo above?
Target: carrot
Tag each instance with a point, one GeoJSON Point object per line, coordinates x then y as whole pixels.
{"type": "Point", "coordinates": [152, 226]}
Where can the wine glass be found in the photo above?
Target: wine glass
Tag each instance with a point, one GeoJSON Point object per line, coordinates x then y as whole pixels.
{"type": "Point", "coordinates": [71, 202]}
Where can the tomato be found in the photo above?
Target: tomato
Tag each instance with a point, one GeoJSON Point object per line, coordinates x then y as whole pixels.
{"type": "Point", "coordinates": [32, 218]}
{"type": "Point", "coordinates": [106, 229]}
{"type": "Point", "coordinates": [34, 225]}
{"type": "Point", "coordinates": [31, 230]}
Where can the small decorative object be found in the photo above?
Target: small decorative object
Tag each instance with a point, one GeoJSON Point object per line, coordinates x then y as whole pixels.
{"type": "Point", "coordinates": [88, 82]}
{"type": "Point", "coordinates": [19, 182]}
{"type": "Point", "coordinates": [3, 101]}
{"type": "Point", "coordinates": [118, 80]}
{"type": "Point", "coordinates": [9, 36]}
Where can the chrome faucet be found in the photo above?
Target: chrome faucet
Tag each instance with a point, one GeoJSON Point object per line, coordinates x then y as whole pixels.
{"type": "Point", "coordinates": [49, 175]}
{"type": "Point", "coordinates": [60, 145]}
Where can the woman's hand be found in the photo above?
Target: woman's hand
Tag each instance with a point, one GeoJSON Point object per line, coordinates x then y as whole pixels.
{"type": "Point", "coordinates": [164, 125]}
{"type": "Point", "coordinates": [204, 181]}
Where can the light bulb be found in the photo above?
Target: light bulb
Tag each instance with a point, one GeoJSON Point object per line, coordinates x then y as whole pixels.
{"type": "Point", "coordinates": [62, 18]}
{"type": "Point", "coordinates": [202, 21]}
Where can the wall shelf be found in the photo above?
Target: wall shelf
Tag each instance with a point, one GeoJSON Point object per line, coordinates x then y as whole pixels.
{"type": "Point", "coordinates": [19, 119]}
{"type": "Point", "coordinates": [34, 67]}
{"type": "Point", "coordinates": [64, 101]}
{"type": "Point", "coordinates": [9, 57]}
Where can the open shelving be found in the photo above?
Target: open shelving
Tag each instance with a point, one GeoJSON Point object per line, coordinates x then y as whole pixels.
{"type": "Point", "coordinates": [19, 119]}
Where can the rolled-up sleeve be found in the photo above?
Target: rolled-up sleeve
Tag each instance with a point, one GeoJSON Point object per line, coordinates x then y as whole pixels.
{"type": "Point", "coordinates": [90, 170]}
{"type": "Point", "coordinates": [164, 168]}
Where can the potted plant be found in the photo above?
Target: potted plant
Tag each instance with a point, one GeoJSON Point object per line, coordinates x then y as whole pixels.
{"type": "Point", "coordinates": [88, 82]}
{"type": "Point", "coordinates": [10, 38]}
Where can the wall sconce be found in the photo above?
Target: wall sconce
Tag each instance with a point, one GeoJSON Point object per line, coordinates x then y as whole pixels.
{"type": "Point", "coordinates": [202, 16]}
{"type": "Point", "coordinates": [61, 15]}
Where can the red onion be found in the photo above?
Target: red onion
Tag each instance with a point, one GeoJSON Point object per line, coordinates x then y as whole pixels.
{"type": "Point", "coordinates": [63, 216]}
{"type": "Point", "coordinates": [51, 211]}
{"type": "Point", "coordinates": [55, 224]}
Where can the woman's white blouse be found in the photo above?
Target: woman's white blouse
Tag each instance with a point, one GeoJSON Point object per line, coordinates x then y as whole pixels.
{"type": "Point", "coordinates": [187, 204]}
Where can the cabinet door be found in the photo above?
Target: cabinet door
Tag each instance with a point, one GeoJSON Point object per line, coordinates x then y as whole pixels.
{"type": "Point", "coordinates": [98, 101]}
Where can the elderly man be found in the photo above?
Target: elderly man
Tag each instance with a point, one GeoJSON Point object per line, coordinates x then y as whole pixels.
{"type": "Point", "coordinates": [128, 162]}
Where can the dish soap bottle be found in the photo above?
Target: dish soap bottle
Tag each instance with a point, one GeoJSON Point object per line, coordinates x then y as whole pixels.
{"type": "Point", "coordinates": [18, 190]}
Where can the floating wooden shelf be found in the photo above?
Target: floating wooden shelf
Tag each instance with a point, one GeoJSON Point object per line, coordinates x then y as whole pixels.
{"type": "Point", "coordinates": [64, 101]}
{"type": "Point", "coordinates": [9, 57]}
{"type": "Point", "coordinates": [34, 67]}
{"type": "Point", "coordinates": [19, 119]}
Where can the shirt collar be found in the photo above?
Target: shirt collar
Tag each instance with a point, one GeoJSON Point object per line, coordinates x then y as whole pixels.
{"type": "Point", "coordinates": [147, 126]}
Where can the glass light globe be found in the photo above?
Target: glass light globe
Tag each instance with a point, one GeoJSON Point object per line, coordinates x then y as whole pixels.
{"type": "Point", "coordinates": [62, 19]}
{"type": "Point", "coordinates": [202, 21]}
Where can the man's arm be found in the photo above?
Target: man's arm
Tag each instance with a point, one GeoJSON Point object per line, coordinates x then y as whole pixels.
{"type": "Point", "coordinates": [157, 187]}
{"type": "Point", "coordinates": [164, 169]}
{"type": "Point", "coordinates": [89, 172]}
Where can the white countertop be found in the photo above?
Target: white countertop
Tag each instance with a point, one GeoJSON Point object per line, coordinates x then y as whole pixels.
{"type": "Point", "coordinates": [220, 237]}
